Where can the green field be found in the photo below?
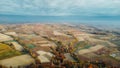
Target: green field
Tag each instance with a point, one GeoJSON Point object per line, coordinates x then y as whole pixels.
{"type": "Point", "coordinates": [6, 51]}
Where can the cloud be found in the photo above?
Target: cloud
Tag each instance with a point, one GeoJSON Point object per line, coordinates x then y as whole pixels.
{"type": "Point", "coordinates": [60, 7]}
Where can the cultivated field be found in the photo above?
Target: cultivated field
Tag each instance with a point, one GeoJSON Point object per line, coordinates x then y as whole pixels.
{"type": "Point", "coordinates": [6, 51]}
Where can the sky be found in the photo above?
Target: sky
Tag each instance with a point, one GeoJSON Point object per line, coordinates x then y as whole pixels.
{"type": "Point", "coordinates": [61, 7]}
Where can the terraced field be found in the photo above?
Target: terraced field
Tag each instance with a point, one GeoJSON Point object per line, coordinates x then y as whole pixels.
{"type": "Point", "coordinates": [6, 51]}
